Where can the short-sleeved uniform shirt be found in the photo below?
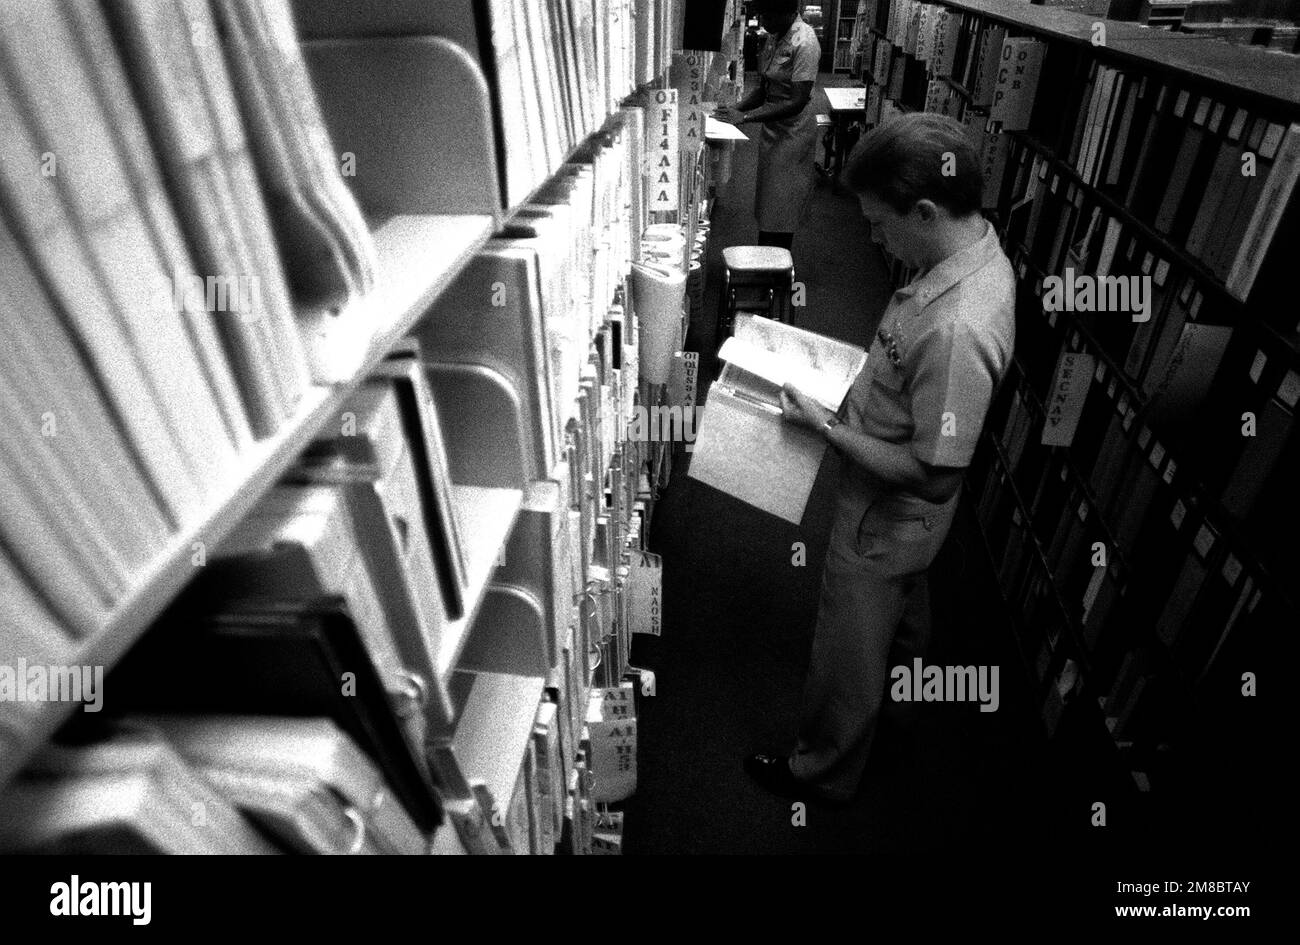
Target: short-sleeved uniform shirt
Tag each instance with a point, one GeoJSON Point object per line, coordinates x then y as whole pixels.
{"type": "Point", "coordinates": [793, 57]}
{"type": "Point", "coordinates": [943, 344]}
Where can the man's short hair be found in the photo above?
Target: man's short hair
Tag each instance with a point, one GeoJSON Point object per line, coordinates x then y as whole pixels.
{"type": "Point", "coordinates": [918, 156]}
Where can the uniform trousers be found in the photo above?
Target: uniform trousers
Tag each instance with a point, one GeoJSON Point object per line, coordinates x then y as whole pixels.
{"type": "Point", "coordinates": [873, 614]}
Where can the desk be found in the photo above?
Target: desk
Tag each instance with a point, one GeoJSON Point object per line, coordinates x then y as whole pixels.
{"type": "Point", "coordinates": [847, 104]}
{"type": "Point", "coordinates": [848, 99]}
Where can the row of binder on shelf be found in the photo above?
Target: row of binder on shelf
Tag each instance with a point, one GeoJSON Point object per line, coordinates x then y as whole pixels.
{"type": "Point", "coordinates": [530, 304]}
{"type": "Point", "coordinates": [1223, 407]}
{"type": "Point", "coordinates": [182, 250]}
{"type": "Point", "coordinates": [508, 345]}
{"type": "Point", "coordinates": [1154, 565]}
{"type": "Point", "coordinates": [988, 70]}
{"type": "Point", "coordinates": [371, 516]}
{"type": "Point", "coordinates": [173, 782]}
{"type": "Point", "coordinates": [1150, 315]}
{"type": "Point", "coordinates": [1146, 684]}
{"type": "Point", "coordinates": [365, 530]}
{"type": "Point", "coordinates": [402, 504]}
{"type": "Point", "coordinates": [597, 543]}
{"type": "Point", "coordinates": [1212, 178]}
{"type": "Point", "coordinates": [561, 68]}
{"type": "Point", "coordinates": [207, 785]}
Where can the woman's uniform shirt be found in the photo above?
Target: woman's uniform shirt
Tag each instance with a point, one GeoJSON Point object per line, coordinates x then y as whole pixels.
{"type": "Point", "coordinates": [786, 147]}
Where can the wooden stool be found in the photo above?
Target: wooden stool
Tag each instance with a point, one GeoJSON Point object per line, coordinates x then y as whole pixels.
{"type": "Point", "coordinates": [755, 279]}
{"type": "Point", "coordinates": [826, 127]}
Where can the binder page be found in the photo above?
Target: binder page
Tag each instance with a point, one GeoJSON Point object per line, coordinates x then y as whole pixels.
{"type": "Point", "coordinates": [821, 367]}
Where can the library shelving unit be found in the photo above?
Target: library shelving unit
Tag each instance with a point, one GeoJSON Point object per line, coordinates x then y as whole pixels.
{"type": "Point", "coordinates": [419, 95]}
{"type": "Point", "coordinates": [1146, 557]}
{"type": "Point", "coordinates": [846, 20]}
{"type": "Point", "coordinates": [423, 237]}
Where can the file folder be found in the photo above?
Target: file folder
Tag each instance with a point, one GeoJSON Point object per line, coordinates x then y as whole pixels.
{"type": "Point", "coordinates": [302, 659]}
{"type": "Point", "coordinates": [303, 780]}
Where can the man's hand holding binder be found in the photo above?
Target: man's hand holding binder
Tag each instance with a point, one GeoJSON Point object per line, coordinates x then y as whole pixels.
{"type": "Point", "coordinates": [892, 463]}
{"type": "Point", "coordinates": [799, 408]}
{"type": "Point", "coordinates": [773, 371]}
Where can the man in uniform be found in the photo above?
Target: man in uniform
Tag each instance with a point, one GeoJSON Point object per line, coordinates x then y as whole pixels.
{"type": "Point", "coordinates": [906, 431]}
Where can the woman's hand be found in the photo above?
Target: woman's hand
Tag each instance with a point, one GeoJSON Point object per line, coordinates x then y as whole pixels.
{"type": "Point", "coordinates": [798, 408]}
{"type": "Point", "coordinates": [730, 114]}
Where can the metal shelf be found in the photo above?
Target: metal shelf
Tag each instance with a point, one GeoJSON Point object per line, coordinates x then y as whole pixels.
{"type": "Point", "coordinates": [1248, 70]}
{"type": "Point", "coordinates": [418, 257]}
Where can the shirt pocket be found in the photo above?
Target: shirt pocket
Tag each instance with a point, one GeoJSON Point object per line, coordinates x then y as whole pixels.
{"type": "Point", "coordinates": [888, 376]}
{"type": "Point", "coordinates": [781, 65]}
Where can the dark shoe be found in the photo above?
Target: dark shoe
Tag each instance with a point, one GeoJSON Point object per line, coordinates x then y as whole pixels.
{"type": "Point", "coordinates": [773, 773]}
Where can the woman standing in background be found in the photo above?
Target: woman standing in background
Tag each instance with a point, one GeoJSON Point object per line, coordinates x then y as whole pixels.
{"type": "Point", "coordinates": [787, 69]}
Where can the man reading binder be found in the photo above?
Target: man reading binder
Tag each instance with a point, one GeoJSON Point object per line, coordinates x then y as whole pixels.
{"type": "Point", "coordinates": [906, 431]}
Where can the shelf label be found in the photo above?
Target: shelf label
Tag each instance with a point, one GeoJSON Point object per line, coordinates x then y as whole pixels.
{"type": "Point", "coordinates": [647, 593]}
{"type": "Point", "coordinates": [1231, 570]}
{"type": "Point", "coordinates": [607, 834]}
{"type": "Point", "coordinates": [1204, 541]}
{"type": "Point", "coordinates": [1065, 404]}
{"type": "Point", "coordinates": [664, 155]}
{"type": "Point", "coordinates": [1093, 589]}
{"type": "Point", "coordinates": [691, 68]}
{"type": "Point", "coordinates": [613, 759]}
{"type": "Point", "coordinates": [683, 379]}
{"type": "Point", "coordinates": [1289, 391]}
{"type": "Point", "coordinates": [617, 703]}
{"type": "Point", "coordinates": [1257, 366]}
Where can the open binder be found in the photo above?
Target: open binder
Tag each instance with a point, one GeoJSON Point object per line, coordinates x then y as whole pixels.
{"type": "Point", "coordinates": [744, 447]}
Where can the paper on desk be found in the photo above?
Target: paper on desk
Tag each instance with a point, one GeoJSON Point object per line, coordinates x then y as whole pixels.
{"type": "Point", "coordinates": [715, 130]}
{"type": "Point", "coordinates": [821, 367]}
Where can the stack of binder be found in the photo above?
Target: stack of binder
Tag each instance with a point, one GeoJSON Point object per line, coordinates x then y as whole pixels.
{"type": "Point", "coordinates": [297, 659]}
{"type": "Point", "coordinates": [165, 172]}
{"type": "Point", "coordinates": [303, 781]}
{"type": "Point", "coordinates": [562, 67]}
{"type": "Point", "coordinates": [127, 791]}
